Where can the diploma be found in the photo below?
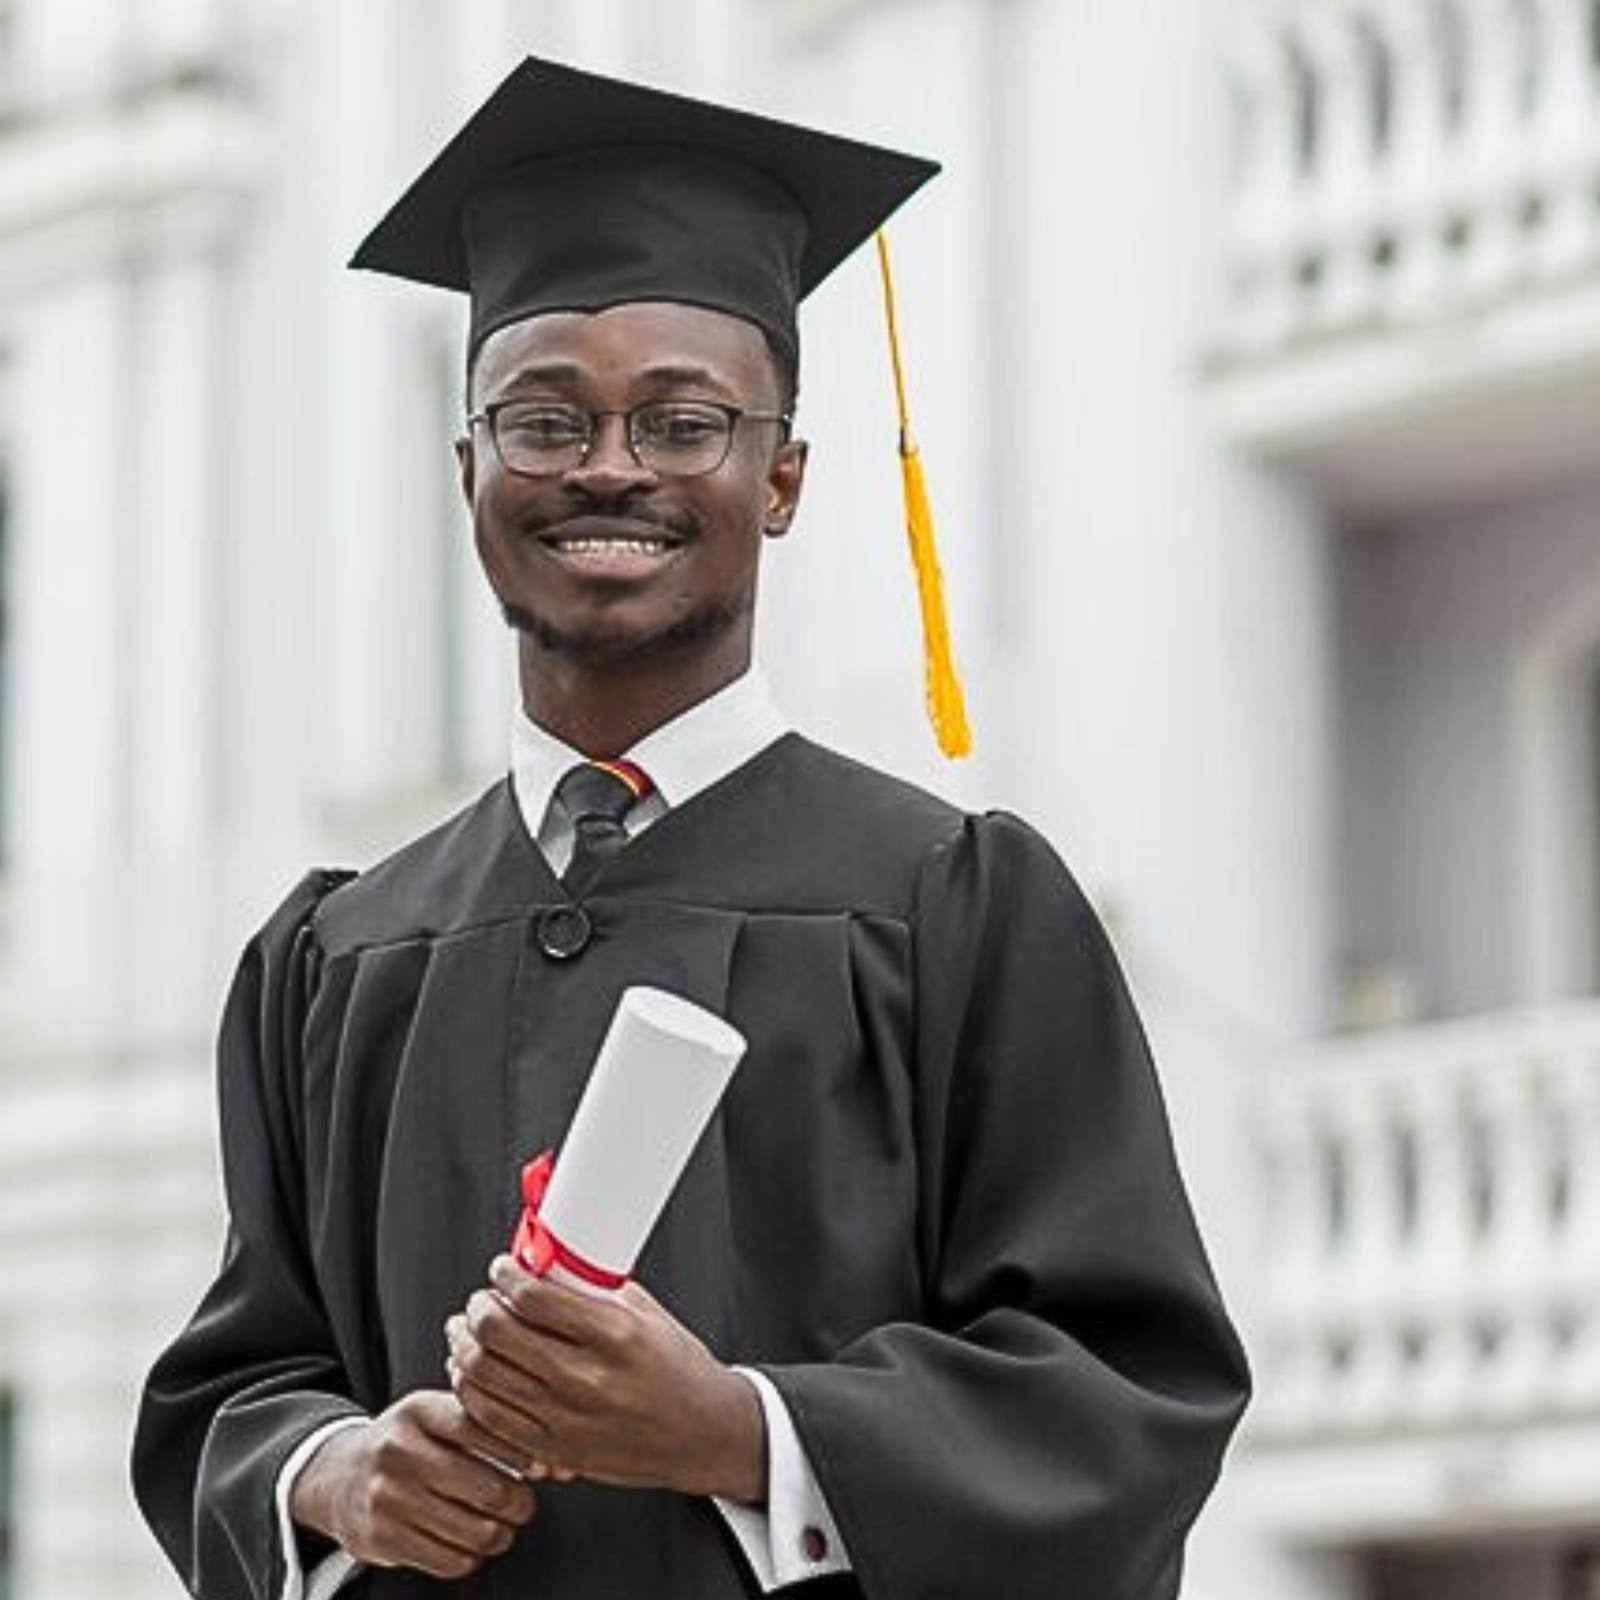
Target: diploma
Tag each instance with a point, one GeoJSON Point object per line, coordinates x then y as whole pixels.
{"type": "Point", "coordinates": [659, 1076]}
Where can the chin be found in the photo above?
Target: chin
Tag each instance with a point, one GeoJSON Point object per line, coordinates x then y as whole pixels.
{"type": "Point", "coordinates": [613, 643]}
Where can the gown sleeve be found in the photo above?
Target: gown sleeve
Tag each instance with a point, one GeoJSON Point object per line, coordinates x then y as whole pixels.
{"type": "Point", "coordinates": [257, 1368]}
{"type": "Point", "coordinates": [1055, 1420]}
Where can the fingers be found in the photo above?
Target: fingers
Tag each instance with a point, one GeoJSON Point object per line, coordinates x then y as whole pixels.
{"type": "Point", "coordinates": [490, 1372]}
{"type": "Point", "coordinates": [497, 1403]}
{"type": "Point", "coordinates": [522, 1438]}
{"type": "Point", "coordinates": [552, 1308]}
{"type": "Point", "coordinates": [496, 1328]}
{"type": "Point", "coordinates": [411, 1547]}
{"type": "Point", "coordinates": [634, 1295]}
{"type": "Point", "coordinates": [496, 1493]}
{"type": "Point", "coordinates": [464, 1529]}
{"type": "Point", "coordinates": [569, 1384]}
{"type": "Point", "coordinates": [487, 1464]}
{"type": "Point", "coordinates": [524, 1363]}
{"type": "Point", "coordinates": [408, 1490]}
{"type": "Point", "coordinates": [448, 1425]}
{"type": "Point", "coordinates": [437, 1449]}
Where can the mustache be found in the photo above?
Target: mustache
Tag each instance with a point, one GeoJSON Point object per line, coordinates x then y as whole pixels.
{"type": "Point", "coordinates": [679, 523]}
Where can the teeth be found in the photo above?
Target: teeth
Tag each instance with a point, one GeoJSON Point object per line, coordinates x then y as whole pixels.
{"type": "Point", "coordinates": [593, 547]}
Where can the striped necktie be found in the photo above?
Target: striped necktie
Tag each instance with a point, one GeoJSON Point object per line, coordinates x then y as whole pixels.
{"type": "Point", "coordinates": [596, 796]}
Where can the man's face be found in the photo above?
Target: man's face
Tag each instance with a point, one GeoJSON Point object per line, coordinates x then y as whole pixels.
{"type": "Point", "coordinates": [611, 560]}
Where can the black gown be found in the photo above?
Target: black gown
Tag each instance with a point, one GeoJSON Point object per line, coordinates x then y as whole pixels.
{"type": "Point", "coordinates": [938, 1206]}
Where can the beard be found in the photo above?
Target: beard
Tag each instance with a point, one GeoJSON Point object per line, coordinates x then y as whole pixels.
{"type": "Point", "coordinates": [596, 642]}
{"type": "Point", "coordinates": [601, 646]}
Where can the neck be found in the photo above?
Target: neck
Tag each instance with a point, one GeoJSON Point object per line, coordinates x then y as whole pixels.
{"type": "Point", "coordinates": [604, 709]}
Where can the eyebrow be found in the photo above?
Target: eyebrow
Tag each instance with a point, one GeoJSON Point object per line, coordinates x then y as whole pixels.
{"type": "Point", "coordinates": [542, 372]}
{"type": "Point", "coordinates": [682, 373]}
{"type": "Point", "coordinates": [670, 372]}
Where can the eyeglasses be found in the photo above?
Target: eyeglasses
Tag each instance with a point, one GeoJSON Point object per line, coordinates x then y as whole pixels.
{"type": "Point", "coordinates": [675, 438]}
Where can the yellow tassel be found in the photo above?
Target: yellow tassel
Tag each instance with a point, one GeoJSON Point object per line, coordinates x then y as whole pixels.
{"type": "Point", "coordinates": [947, 709]}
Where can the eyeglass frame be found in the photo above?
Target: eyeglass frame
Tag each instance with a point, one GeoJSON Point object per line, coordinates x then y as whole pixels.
{"type": "Point", "coordinates": [735, 415]}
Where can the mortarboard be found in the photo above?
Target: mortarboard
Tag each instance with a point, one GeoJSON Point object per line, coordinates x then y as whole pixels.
{"type": "Point", "coordinates": [569, 191]}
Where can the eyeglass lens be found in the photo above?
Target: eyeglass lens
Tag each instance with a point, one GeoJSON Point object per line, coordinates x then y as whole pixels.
{"type": "Point", "coordinates": [679, 438]}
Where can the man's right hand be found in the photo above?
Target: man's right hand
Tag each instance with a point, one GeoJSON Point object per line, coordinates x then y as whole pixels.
{"type": "Point", "coordinates": [409, 1490]}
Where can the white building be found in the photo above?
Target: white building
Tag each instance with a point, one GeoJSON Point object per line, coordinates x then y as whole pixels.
{"type": "Point", "coordinates": [1256, 351]}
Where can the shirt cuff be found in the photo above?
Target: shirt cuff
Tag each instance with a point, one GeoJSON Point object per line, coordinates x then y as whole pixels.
{"type": "Point", "coordinates": [332, 1572]}
{"type": "Point", "coordinates": [793, 1537]}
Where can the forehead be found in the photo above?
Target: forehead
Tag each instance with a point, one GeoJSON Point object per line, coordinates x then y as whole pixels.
{"type": "Point", "coordinates": [628, 340]}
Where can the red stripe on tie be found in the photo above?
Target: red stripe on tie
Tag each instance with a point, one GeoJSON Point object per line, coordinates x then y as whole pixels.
{"type": "Point", "coordinates": [636, 778]}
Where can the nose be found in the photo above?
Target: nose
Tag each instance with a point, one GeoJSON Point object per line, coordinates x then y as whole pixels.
{"type": "Point", "coordinates": [609, 467]}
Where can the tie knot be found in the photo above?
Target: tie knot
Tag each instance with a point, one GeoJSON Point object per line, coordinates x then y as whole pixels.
{"type": "Point", "coordinates": [607, 790]}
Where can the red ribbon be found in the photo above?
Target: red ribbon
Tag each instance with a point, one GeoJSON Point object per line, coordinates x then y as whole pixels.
{"type": "Point", "coordinates": [536, 1248]}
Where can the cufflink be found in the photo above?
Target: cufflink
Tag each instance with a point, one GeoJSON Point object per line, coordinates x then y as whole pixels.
{"type": "Point", "coordinates": [813, 1544]}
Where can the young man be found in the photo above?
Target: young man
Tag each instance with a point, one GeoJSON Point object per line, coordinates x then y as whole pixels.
{"type": "Point", "coordinates": [927, 1315]}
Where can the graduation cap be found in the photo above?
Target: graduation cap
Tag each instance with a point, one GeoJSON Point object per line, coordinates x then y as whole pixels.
{"type": "Point", "coordinates": [569, 191]}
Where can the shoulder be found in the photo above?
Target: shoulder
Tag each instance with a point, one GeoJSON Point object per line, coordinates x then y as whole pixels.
{"type": "Point", "coordinates": [889, 808]}
{"type": "Point", "coordinates": [997, 859]}
{"type": "Point", "coordinates": [911, 844]}
{"type": "Point", "coordinates": [474, 867]}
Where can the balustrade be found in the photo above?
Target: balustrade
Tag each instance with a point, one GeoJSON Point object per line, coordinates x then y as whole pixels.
{"type": "Point", "coordinates": [1436, 1259]}
{"type": "Point", "coordinates": [1397, 159]}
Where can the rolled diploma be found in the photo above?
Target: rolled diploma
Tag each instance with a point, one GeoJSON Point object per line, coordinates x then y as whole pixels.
{"type": "Point", "coordinates": [659, 1076]}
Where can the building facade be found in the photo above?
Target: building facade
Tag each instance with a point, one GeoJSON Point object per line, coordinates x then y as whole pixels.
{"type": "Point", "coordinates": [1256, 363]}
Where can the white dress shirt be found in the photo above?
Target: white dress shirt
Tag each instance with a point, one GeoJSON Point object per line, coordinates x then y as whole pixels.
{"type": "Point", "coordinates": [794, 1536]}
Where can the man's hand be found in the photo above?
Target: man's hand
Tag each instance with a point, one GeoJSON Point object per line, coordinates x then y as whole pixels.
{"type": "Point", "coordinates": [616, 1391]}
{"type": "Point", "coordinates": [409, 1489]}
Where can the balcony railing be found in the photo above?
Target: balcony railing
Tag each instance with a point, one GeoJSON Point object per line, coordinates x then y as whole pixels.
{"type": "Point", "coordinates": [1402, 157]}
{"type": "Point", "coordinates": [1413, 244]}
{"type": "Point", "coordinates": [1436, 1203]}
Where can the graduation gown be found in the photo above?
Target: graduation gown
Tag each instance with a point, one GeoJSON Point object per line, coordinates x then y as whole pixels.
{"type": "Point", "coordinates": [938, 1206]}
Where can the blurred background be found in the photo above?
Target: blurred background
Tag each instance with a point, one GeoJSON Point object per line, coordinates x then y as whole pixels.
{"type": "Point", "coordinates": [1255, 351]}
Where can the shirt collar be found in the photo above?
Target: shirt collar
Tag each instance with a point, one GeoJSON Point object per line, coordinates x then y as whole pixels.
{"type": "Point", "coordinates": [690, 753]}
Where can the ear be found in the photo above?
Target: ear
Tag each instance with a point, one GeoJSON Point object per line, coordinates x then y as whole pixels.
{"type": "Point", "coordinates": [466, 468]}
{"type": "Point", "coordinates": [786, 476]}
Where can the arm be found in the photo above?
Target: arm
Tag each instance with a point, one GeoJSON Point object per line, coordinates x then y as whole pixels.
{"type": "Point", "coordinates": [613, 1389]}
{"type": "Point", "coordinates": [415, 1487]}
{"type": "Point", "coordinates": [258, 1373]}
{"type": "Point", "coordinates": [618, 1391]}
{"type": "Point", "coordinates": [257, 1368]}
{"type": "Point", "coordinates": [1060, 1411]}
{"type": "Point", "coordinates": [793, 1537]}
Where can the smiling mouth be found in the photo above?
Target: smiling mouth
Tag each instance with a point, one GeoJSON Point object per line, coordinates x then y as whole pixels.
{"type": "Point", "coordinates": [588, 545]}
{"type": "Point", "coordinates": [621, 550]}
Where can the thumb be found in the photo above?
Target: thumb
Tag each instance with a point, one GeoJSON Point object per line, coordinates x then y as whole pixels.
{"type": "Point", "coordinates": [635, 1295]}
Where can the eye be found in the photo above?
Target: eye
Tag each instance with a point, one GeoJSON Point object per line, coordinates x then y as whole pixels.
{"type": "Point", "coordinates": [679, 424]}
{"type": "Point", "coordinates": [542, 426]}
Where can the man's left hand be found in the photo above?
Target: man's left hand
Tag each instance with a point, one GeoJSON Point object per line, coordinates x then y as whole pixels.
{"type": "Point", "coordinates": [614, 1390]}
